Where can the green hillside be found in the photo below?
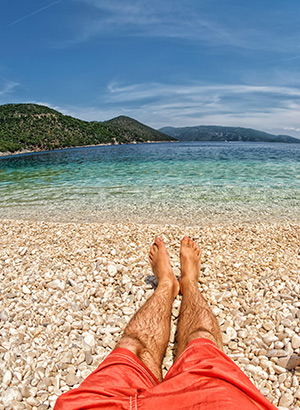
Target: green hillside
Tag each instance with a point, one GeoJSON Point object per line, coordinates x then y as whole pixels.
{"type": "Point", "coordinates": [218, 133]}
{"type": "Point", "coordinates": [35, 127]}
{"type": "Point", "coordinates": [128, 126]}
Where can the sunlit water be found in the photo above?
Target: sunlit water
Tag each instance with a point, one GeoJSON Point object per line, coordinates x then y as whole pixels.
{"type": "Point", "coordinates": [186, 183]}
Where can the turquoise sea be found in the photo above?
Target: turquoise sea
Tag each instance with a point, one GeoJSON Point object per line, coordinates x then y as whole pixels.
{"type": "Point", "coordinates": [187, 183]}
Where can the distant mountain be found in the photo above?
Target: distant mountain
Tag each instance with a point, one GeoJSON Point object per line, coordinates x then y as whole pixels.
{"type": "Point", "coordinates": [218, 133]}
{"type": "Point", "coordinates": [36, 127]}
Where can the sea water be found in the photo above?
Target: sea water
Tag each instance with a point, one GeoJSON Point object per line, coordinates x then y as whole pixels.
{"type": "Point", "coordinates": [174, 183]}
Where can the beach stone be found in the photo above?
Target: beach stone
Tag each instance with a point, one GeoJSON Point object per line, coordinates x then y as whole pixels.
{"type": "Point", "coordinates": [88, 358]}
{"type": "Point", "coordinates": [26, 290]}
{"type": "Point", "coordinates": [295, 382]}
{"type": "Point", "coordinates": [265, 391]}
{"type": "Point", "coordinates": [216, 310]}
{"type": "Point", "coordinates": [292, 362]}
{"type": "Point", "coordinates": [112, 270]}
{"type": "Point", "coordinates": [10, 395]}
{"type": "Point", "coordinates": [40, 372]}
{"type": "Point", "coordinates": [71, 379]}
{"type": "Point", "coordinates": [90, 340]}
{"type": "Point", "coordinates": [43, 407]}
{"type": "Point", "coordinates": [242, 334]}
{"type": "Point", "coordinates": [3, 315]}
{"type": "Point", "coordinates": [225, 338]}
{"type": "Point", "coordinates": [295, 342]}
{"type": "Point", "coordinates": [15, 405]}
{"type": "Point", "coordinates": [32, 401]}
{"type": "Point", "coordinates": [55, 284]}
{"type": "Point", "coordinates": [269, 338]}
{"type": "Point", "coordinates": [231, 332]}
{"type": "Point", "coordinates": [268, 325]}
{"type": "Point", "coordinates": [279, 369]}
{"type": "Point", "coordinates": [276, 353]}
{"type": "Point", "coordinates": [25, 391]}
{"type": "Point", "coordinates": [278, 345]}
{"type": "Point", "coordinates": [256, 371]}
{"type": "Point", "coordinates": [67, 357]}
{"type": "Point", "coordinates": [128, 311]}
{"type": "Point", "coordinates": [125, 279]}
{"type": "Point", "coordinates": [283, 361]}
{"type": "Point", "coordinates": [286, 400]}
{"type": "Point", "coordinates": [85, 373]}
{"type": "Point", "coordinates": [297, 394]}
{"type": "Point", "coordinates": [264, 363]}
{"type": "Point", "coordinates": [7, 377]}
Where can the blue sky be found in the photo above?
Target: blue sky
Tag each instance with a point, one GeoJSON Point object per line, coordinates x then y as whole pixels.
{"type": "Point", "coordinates": [170, 62]}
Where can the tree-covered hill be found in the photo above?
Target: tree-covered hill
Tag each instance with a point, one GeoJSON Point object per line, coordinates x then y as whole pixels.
{"type": "Point", "coordinates": [128, 126]}
{"type": "Point", "coordinates": [218, 133]}
{"type": "Point", "coordinates": [36, 127]}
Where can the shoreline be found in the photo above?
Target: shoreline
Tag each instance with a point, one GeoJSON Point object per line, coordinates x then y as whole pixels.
{"type": "Point", "coordinates": [219, 214]}
{"type": "Point", "coordinates": [38, 151]}
{"type": "Point", "coordinates": [69, 289]}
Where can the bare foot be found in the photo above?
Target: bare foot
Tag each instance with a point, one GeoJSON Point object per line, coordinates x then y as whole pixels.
{"type": "Point", "coordinates": [161, 265]}
{"type": "Point", "coordinates": [190, 262]}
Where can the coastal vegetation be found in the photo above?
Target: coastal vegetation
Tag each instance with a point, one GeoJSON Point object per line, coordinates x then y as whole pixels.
{"type": "Point", "coordinates": [218, 133]}
{"type": "Point", "coordinates": [36, 127]}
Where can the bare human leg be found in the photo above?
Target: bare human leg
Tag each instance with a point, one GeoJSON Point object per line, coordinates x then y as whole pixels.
{"type": "Point", "coordinates": [147, 334]}
{"type": "Point", "coordinates": [196, 318]}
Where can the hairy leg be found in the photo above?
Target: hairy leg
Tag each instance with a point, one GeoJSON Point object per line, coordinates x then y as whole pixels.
{"type": "Point", "coordinates": [196, 318]}
{"type": "Point", "coordinates": [147, 334]}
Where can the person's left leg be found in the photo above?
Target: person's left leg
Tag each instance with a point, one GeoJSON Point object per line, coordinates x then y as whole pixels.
{"type": "Point", "coordinates": [147, 334]}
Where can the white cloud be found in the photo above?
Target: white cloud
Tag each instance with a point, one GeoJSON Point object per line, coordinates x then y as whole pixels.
{"type": "Point", "coordinates": [7, 87]}
{"type": "Point", "coordinates": [273, 109]}
{"type": "Point", "coordinates": [292, 129]}
{"type": "Point", "coordinates": [190, 21]}
{"type": "Point", "coordinates": [261, 107]}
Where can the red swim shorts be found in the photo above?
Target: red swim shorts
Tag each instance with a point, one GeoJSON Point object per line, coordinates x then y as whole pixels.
{"type": "Point", "coordinates": [202, 378]}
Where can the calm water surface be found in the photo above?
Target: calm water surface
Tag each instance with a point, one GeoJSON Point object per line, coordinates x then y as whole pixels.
{"type": "Point", "coordinates": [189, 183]}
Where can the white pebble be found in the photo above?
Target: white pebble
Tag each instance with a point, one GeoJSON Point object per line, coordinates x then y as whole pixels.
{"type": "Point", "coordinates": [231, 332]}
{"type": "Point", "coordinates": [10, 395]}
{"type": "Point", "coordinates": [89, 340]}
{"type": "Point", "coordinates": [295, 342]}
{"type": "Point", "coordinates": [127, 311]}
{"type": "Point", "coordinates": [286, 400]}
{"type": "Point", "coordinates": [3, 315]}
{"type": "Point", "coordinates": [25, 289]}
{"type": "Point", "coordinates": [112, 270]}
{"type": "Point", "coordinates": [7, 377]}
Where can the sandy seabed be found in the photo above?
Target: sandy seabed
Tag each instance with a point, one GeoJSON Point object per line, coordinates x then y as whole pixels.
{"type": "Point", "coordinates": [67, 290]}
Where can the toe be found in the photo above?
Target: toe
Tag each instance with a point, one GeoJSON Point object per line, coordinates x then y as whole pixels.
{"type": "Point", "coordinates": [158, 242]}
{"type": "Point", "coordinates": [185, 240]}
{"type": "Point", "coordinates": [153, 249]}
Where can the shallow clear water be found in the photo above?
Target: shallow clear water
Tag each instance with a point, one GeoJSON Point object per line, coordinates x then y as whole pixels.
{"type": "Point", "coordinates": [190, 183]}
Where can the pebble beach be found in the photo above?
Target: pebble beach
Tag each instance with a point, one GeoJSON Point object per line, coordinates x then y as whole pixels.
{"type": "Point", "coordinates": [68, 290]}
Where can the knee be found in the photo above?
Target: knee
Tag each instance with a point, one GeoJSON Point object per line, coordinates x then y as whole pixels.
{"type": "Point", "coordinates": [203, 333]}
{"type": "Point", "coordinates": [131, 344]}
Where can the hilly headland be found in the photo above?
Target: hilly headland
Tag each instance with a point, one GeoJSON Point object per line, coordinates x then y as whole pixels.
{"type": "Point", "coordinates": [33, 127]}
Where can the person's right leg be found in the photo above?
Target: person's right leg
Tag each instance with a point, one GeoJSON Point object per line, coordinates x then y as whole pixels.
{"type": "Point", "coordinates": [196, 319]}
{"type": "Point", "coordinates": [147, 334]}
